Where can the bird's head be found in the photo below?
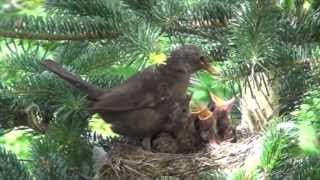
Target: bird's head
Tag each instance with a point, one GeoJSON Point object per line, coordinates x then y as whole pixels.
{"type": "Point", "coordinates": [189, 59]}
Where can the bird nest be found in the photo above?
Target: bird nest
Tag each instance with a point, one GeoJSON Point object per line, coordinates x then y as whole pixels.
{"type": "Point", "coordinates": [130, 162]}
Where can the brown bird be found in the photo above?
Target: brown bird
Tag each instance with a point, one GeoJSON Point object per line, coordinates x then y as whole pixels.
{"type": "Point", "coordinates": [142, 105]}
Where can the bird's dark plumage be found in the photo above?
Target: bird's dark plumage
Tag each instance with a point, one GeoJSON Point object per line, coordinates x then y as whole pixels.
{"type": "Point", "coordinates": [142, 105]}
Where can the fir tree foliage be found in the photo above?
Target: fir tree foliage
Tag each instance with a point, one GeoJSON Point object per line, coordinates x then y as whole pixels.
{"type": "Point", "coordinates": [279, 144]}
{"type": "Point", "coordinates": [306, 167]}
{"type": "Point", "coordinates": [94, 38]}
{"type": "Point", "coordinates": [59, 160]}
{"type": "Point", "coordinates": [11, 167]}
{"type": "Point", "coordinates": [291, 148]}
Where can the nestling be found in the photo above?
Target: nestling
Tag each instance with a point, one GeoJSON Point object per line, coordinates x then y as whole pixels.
{"type": "Point", "coordinates": [213, 122]}
{"type": "Point", "coordinates": [221, 110]}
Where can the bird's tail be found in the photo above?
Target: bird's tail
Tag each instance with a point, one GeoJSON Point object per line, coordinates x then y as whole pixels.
{"type": "Point", "coordinates": [92, 91]}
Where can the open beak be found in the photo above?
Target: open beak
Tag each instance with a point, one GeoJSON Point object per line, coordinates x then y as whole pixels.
{"type": "Point", "coordinates": [211, 70]}
{"type": "Point", "coordinates": [202, 112]}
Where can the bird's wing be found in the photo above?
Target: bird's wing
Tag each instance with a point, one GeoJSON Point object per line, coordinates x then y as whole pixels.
{"type": "Point", "coordinates": [126, 97]}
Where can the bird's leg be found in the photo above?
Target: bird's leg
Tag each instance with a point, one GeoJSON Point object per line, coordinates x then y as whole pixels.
{"type": "Point", "coordinates": [146, 143]}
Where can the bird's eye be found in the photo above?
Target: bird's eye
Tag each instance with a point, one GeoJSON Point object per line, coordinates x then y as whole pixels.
{"type": "Point", "coordinates": [202, 60]}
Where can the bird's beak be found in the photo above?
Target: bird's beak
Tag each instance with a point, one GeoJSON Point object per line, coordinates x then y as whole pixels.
{"type": "Point", "coordinates": [212, 71]}
{"type": "Point", "coordinates": [206, 66]}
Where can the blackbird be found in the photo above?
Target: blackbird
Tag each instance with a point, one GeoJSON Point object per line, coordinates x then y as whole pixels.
{"type": "Point", "coordinates": [142, 106]}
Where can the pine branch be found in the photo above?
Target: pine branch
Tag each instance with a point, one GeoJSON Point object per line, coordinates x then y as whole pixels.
{"type": "Point", "coordinates": [254, 33]}
{"type": "Point", "coordinates": [253, 39]}
{"type": "Point", "coordinates": [25, 57]}
{"type": "Point", "coordinates": [208, 33]}
{"type": "Point", "coordinates": [56, 28]}
{"type": "Point", "coordinates": [306, 168]}
{"type": "Point", "coordinates": [86, 57]}
{"type": "Point", "coordinates": [63, 153]}
{"type": "Point", "coordinates": [207, 19]}
{"type": "Point", "coordinates": [141, 6]}
{"type": "Point", "coordinates": [213, 13]}
{"type": "Point", "coordinates": [111, 10]}
{"type": "Point", "coordinates": [54, 167]}
{"type": "Point", "coordinates": [12, 114]}
{"type": "Point", "coordinates": [17, 112]}
{"type": "Point", "coordinates": [11, 167]}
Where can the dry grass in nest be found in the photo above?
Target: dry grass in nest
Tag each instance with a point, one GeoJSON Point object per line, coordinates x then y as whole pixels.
{"type": "Point", "coordinates": [128, 162]}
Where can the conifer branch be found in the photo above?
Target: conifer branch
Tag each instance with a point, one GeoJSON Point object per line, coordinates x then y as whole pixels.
{"type": "Point", "coordinates": [58, 37]}
{"type": "Point", "coordinates": [57, 28]}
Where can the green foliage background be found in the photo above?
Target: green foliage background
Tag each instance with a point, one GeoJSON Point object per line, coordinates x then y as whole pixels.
{"type": "Point", "coordinates": [280, 38]}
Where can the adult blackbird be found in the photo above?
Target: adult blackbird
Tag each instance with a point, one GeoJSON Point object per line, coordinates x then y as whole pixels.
{"type": "Point", "coordinates": [143, 105]}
